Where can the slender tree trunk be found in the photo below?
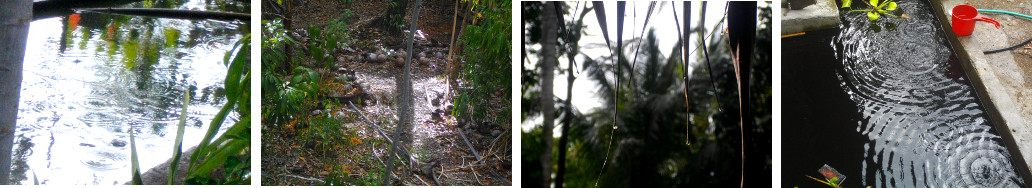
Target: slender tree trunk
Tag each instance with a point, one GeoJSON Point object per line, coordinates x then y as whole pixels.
{"type": "Point", "coordinates": [684, 55]}
{"type": "Point", "coordinates": [451, 50]}
{"type": "Point", "coordinates": [568, 121]}
{"type": "Point", "coordinates": [288, 26]}
{"type": "Point", "coordinates": [741, 18]}
{"type": "Point", "coordinates": [548, 60]}
{"type": "Point", "coordinates": [14, 31]}
{"type": "Point", "coordinates": [402, 133]}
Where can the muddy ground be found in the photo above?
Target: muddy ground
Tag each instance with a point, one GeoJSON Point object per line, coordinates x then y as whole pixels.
{"type": "Point", "coordinates": [443, 155]}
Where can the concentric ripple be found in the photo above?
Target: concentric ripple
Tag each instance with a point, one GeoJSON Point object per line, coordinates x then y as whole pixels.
{"type": "Point", "coordinates": [925, 126]}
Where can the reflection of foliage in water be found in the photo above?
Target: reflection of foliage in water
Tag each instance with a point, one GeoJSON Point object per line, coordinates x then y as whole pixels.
{"type": "Point", "coordinates": [138, 49]}
{"type": "Point", "coordinates": [20, 165]}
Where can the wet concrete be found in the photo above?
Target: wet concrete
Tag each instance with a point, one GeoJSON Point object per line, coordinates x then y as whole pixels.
{"type": "Point", "coordinates": [1002, 81]}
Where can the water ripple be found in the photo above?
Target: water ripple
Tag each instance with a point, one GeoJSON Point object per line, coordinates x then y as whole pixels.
{"type": "Point", "coordinates": [925, 126]}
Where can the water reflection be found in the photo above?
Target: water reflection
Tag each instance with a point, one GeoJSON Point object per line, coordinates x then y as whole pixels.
{"type": "Point", "coordinates": [924, 124]}
{"type": "Point", "coordinates": [90, 78]}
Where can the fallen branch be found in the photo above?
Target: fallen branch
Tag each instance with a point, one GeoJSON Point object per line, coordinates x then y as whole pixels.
{"type": "Point", "coordinates": [173, 13]}
{"type": "Point", "coordinates": [475, 175]}
{"type": "Point", "coordinates": [384, 135]}
{"type": "Point", "coordinates": [421, 180]}
{"type": "Point", "coordinates": [304, 178]}
{"type": "Point", "coordinates": [470, 145]}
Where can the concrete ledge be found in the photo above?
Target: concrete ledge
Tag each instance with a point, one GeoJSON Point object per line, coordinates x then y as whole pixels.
{"type": "Point", "coordinates": [999, 82]}
{"type": "Point", "coordinates": [817, 16]}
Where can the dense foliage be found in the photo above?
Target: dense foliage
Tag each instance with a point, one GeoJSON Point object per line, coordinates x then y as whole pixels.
{"type": "Point", "coordinates": [648, 147]}
{"type": "Point", "coordinates": [487, 52]}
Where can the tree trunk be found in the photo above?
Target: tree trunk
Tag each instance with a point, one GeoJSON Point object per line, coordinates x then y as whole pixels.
{"type": "Point", "coordinates": [684, 55]}
{"type": "Point", "coordinates": [741, 18]}
{"type": "Point", "coordinates": [402, 133]}
{"type": "Point", "coordinates": [14, 30]}
{"type": "Point", "coordinates": [548, 60]}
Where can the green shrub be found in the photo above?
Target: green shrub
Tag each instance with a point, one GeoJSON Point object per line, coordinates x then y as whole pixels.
{"type": "Point", "coordinates": [488, 55]}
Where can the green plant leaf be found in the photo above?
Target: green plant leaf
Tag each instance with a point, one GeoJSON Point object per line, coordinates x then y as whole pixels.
{"type": "Point", "coordinates": [872, 16]}
{"type": "Point", "coordinates": [137, 180]}
{"type": "Point", "coordinates": [891, 6]}
{"type": "Point", "coordinates": [846, 3]}
{"type": "Point", "coordinates": [874, 3]}
{"type": "Point", "coordinates": [177, 150]}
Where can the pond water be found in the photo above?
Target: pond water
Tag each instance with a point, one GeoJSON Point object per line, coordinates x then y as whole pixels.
{"type": "Point", "coordinates": [91, 78]}
{"type": "Point", "coordinates": [887, 105]}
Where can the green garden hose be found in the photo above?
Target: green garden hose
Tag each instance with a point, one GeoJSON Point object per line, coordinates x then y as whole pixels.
{"type": "Point", "coordinates": [1010, 47]}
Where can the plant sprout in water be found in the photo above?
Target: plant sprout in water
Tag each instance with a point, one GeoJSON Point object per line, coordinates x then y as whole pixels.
{"type": "Point", "coordinates": [875, 12]}
{"type": "Point", "coordinates": [831, 177]}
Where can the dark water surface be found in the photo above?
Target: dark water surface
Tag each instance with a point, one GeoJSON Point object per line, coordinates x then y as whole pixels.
{"type": "Point", "coordinates": [887, 105]}
{"type": "Point", "coordinates": [91, 78]}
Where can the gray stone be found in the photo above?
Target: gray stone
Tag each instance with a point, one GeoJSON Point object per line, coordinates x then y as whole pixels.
{"type": "Point", "coordinates": [439, 55]}
{"type": "Point", "coordinates": [823, 14]}
{"type": "Point", "coordinates": [496, 133]}
{"type": "Point", "coordinates": [118, 143]}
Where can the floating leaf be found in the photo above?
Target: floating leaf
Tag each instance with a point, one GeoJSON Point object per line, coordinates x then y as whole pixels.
{"type": "Point", "coordinates": [872, 16]}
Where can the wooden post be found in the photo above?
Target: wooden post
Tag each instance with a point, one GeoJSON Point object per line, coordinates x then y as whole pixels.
{"type": "Point", "coordinates": [14, 30]}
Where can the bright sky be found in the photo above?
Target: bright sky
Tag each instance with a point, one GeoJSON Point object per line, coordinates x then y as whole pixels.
{"type": "Point", "coordinates": [661, 20]}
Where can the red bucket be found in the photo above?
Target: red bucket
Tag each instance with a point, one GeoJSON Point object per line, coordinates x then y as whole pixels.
{"type": "Point", "coordinates": [964, 17]}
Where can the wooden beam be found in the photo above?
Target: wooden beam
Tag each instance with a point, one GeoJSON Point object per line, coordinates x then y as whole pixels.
{"type": "Point", "coordinates": [173, 13]}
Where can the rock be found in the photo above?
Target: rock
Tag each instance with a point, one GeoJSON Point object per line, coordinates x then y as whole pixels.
{"type": "Point", "coordinates": [448, 109]}
{"type": "Point", "coordinates": [424, 60]}
{"type": "Point", "coordinates": [496, 133]}
{"type": "Point", "coordinates": [439, 55]}
{"type": "Point", "coordinates": [316, 112]}
{"type": "Point", "coordinates": [436, 116]}
{"type": "Point", "coordinates": [400, 61]}
{"type": "Point", "coordinates": [484, 129]}
{"type": "Point", "coordinates": [436, 102]}
{"type": "Point", "coordinates": [118, 143]}
{"type": "Point", "coordinates": [342, 58]}
{"type": "Point", "coordinates": [421, 55]}
{"type": "Point", "coordinates": [87, 145]}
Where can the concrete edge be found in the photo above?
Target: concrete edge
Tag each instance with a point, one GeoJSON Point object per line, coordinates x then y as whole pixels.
{"type": "Point", "coordinates": [821, 15]}
{"type": "Point", "coordinates": [971, 61]}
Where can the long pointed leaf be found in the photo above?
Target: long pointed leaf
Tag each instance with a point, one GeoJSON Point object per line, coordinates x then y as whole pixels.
{"type": "Point", "coordinates": [177, 150]}
{"type": "Point", "coordinates": [137, 180]}
{"type": "Point", "coordinates": [600, 14]}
